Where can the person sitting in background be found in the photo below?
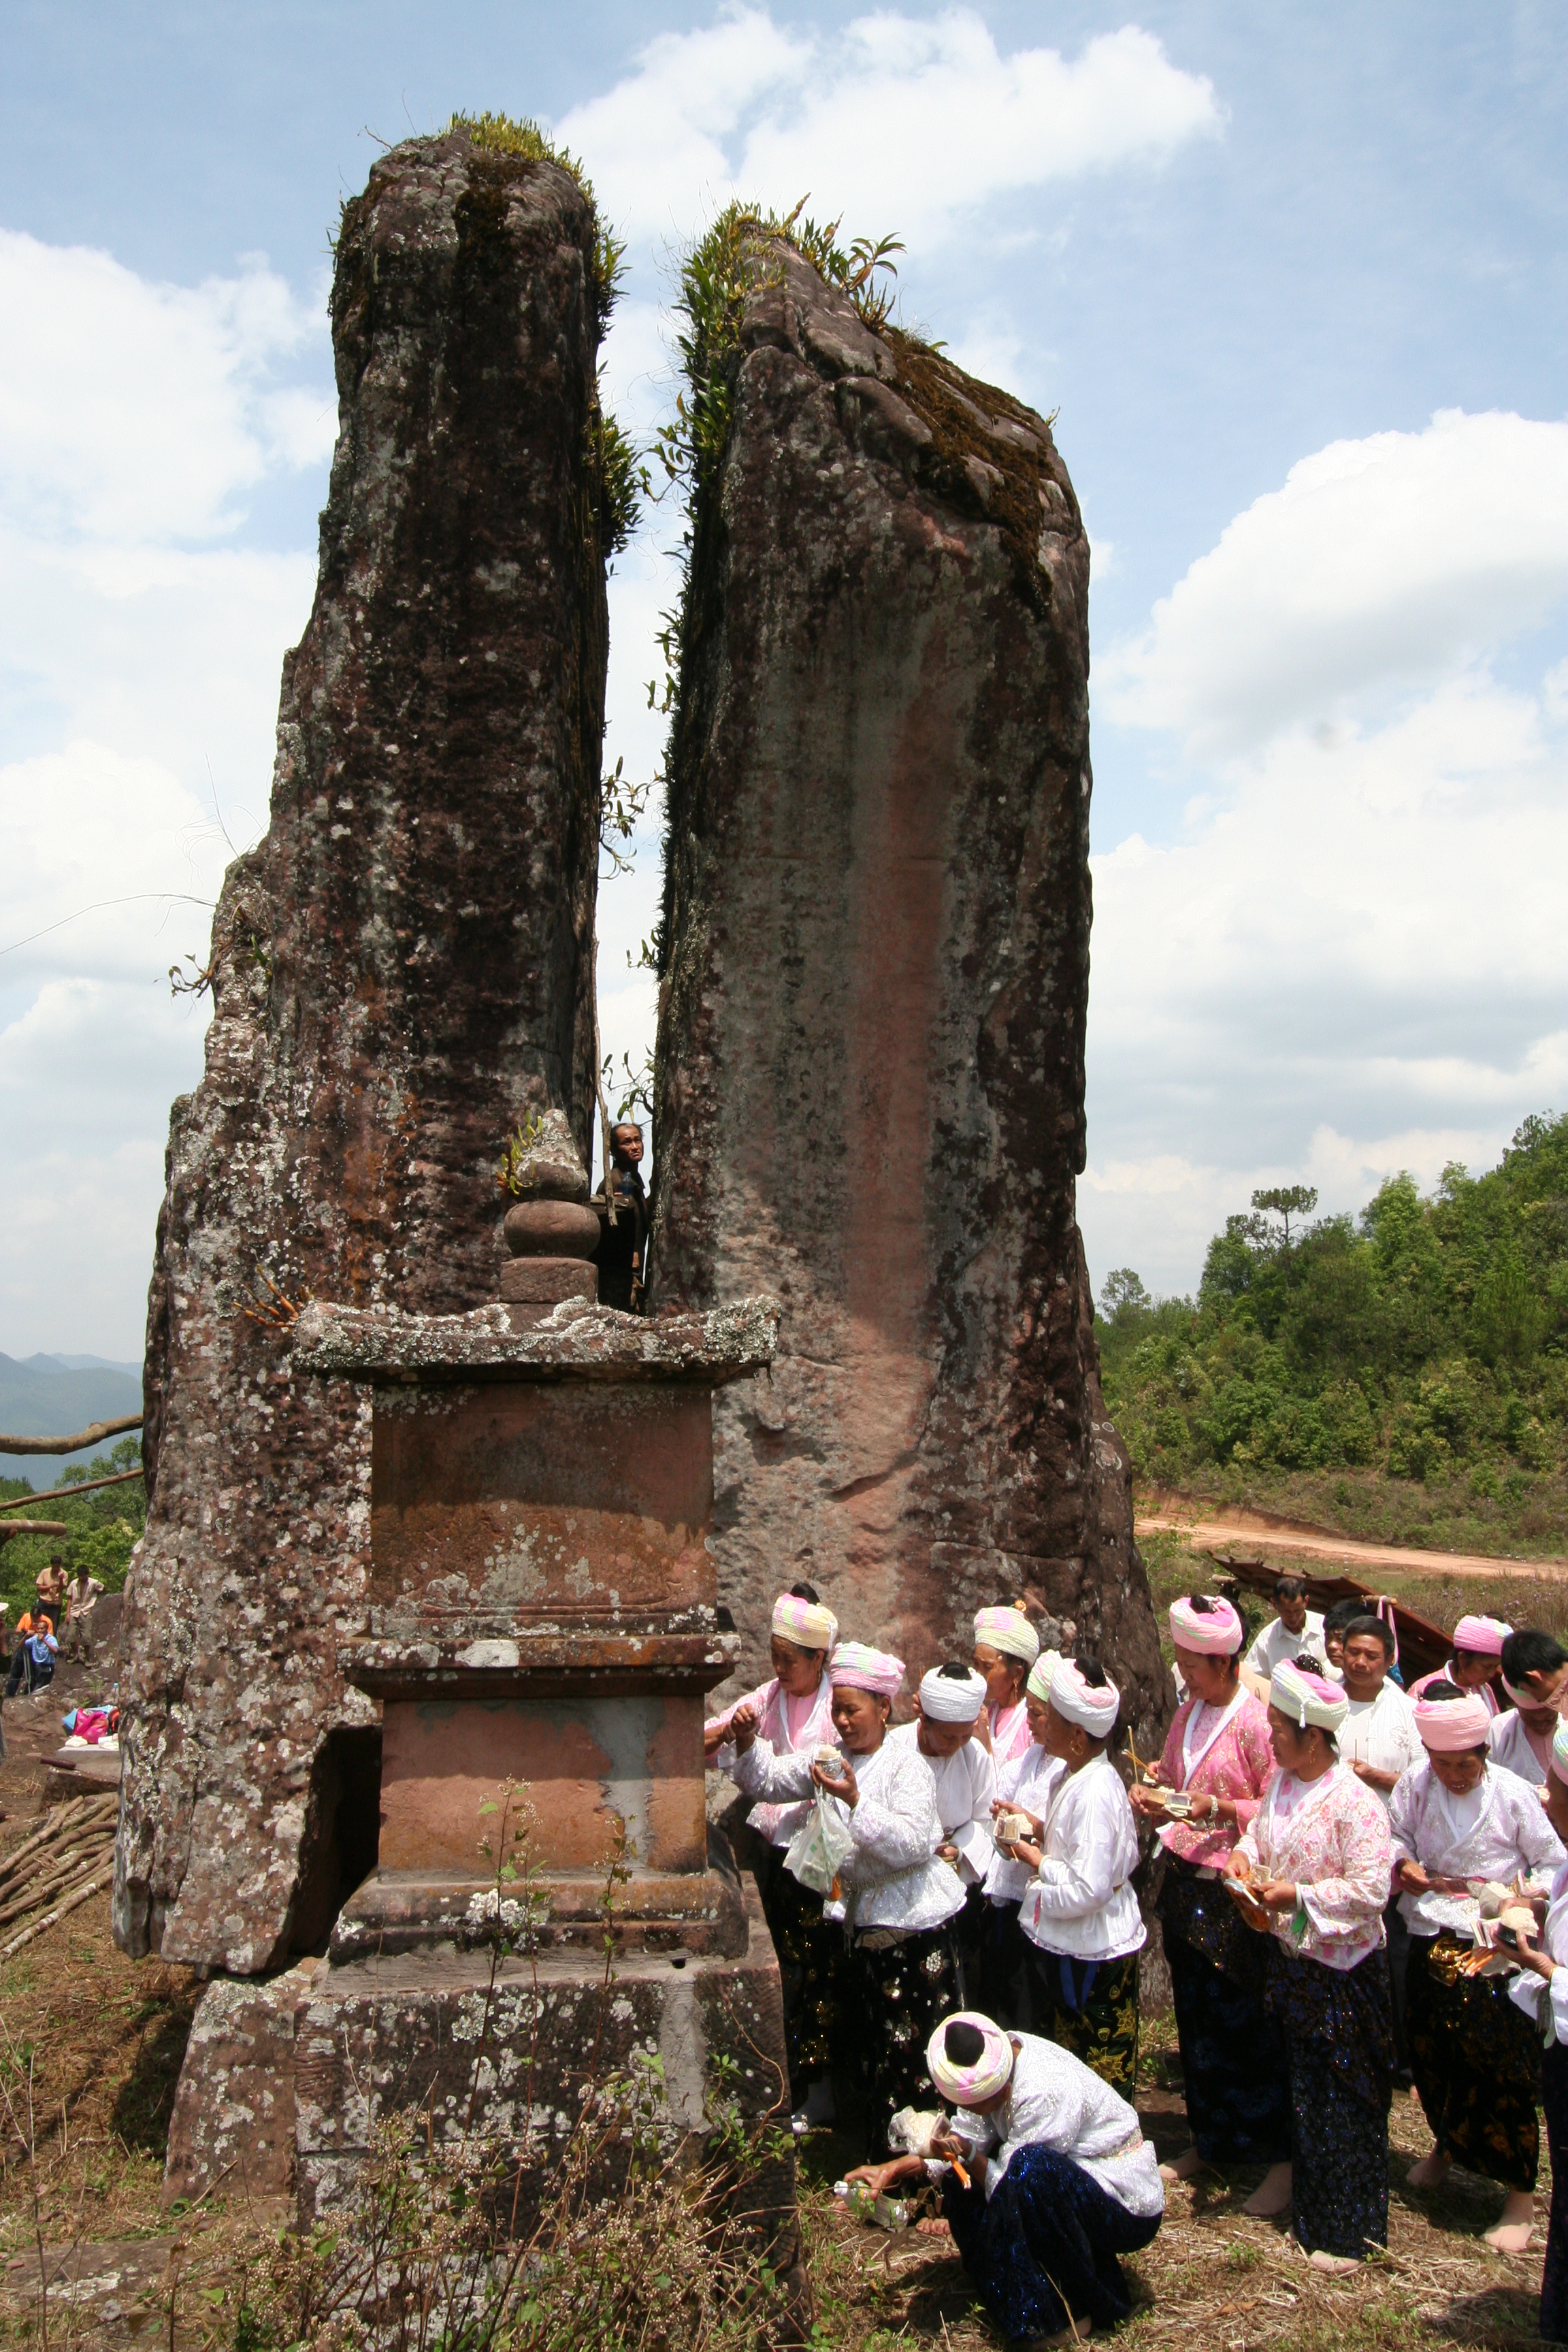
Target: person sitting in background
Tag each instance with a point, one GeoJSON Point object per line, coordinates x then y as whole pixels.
{"type": "Point", "coordinates": [1079, 1914]}
{"type": "Point", "coordinates": [1026, 1788]}
{"type": "Point", "coordinates": [1455, 1821]}
{"type": "Point", "coordinates": [82, 1595]}
{"type": "Point", "coordinates": [1296, 1628]}
{"type": "Point", "coordinates": [1477, 1661]}
{"type": "Point", "coordinates": [33, 1662]}
{"type": "Point", "coordinates": [1005, 1647]}
{"type": "Point", "coordinates": [1535, 1677]}
{"type": "Point", "coordinates": [623, 1247]}
{"type": "Point", "coordinates": [951, 1699]}
{"type": "Point", "coordinates": [1058, 2181]}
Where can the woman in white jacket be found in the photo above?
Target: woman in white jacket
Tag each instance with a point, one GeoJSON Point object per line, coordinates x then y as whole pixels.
{"type": "Point", "coordinates": [899, 1900]}
{"type": "Point", "coordinates": [795, 1712]}
{"type": "Point", "coordinates": [1541, 1991]}
{"type": "Point", "coordinates": [1079, 1916]}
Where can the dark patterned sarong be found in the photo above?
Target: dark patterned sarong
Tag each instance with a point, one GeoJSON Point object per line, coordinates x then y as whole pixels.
{"type": "Point", "coordinates": [1233, 2059]}
{"type": "Point", "coordinates": [1476, 2059]}
{"type": "Point", "coordinates": [1004, 1951]}
{"type": "Point", "coordinates": [1554, 2276]}
{"type": "Point", "coordinates": [1090, 2007]}
{"type": "Point", "coordinates": [904, 1986]}
{"type": "Point", "coordinates": [1043, 2249]}
{"type": "Point", "coordinates": [1338, 2030]}
{"type": "Point", "coordinates": [813, 1969]}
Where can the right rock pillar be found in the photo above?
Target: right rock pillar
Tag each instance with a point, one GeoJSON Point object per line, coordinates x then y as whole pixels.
{"type": "Point", "coordinates": [874, 983]}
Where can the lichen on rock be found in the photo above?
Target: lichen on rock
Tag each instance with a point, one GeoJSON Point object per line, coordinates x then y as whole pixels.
{"type": "Point", "coordinates": [400, 974]}
{"type": "Point", "coordinates": [874, 965]}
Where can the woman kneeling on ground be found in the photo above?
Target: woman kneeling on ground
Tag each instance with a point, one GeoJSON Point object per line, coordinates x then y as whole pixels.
{"type": "Point", "coordinates": [1218, 1760]}
{"type": "Point", "coordinates": [1317, 1860]}
{"type": "Point", "coordinates": [1060, 2180]}
{"type": "Point", "coordinates": [1457, 1820]}
{"type": "Point", "coordinates": [793, 1711]}
{"type": "Point", "coordinates": [899, 1901]}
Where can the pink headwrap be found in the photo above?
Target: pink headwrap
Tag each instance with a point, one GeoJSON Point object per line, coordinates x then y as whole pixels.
{"type": "Point", "coordinates": [1484, 1635]}
{"type": "Point", "coordinates": [1216, 1632]}
{"type": "Point", "coordinates": [1448, 1726]}
{"type": "Point", "coordinates": [862, 1669]}
{"type": "Point", "coordinates": [1305, 1698]}
{"type": "Point", "coordinates": [992, 2071]}
{"type": "Point", "coordinates": [1560, 1752]}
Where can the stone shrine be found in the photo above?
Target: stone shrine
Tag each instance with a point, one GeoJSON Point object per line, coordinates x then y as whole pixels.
{"type": "Point", "coordinates": [542, 1611]}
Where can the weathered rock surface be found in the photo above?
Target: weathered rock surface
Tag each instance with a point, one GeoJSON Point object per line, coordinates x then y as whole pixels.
{"type": "Point", "coordinates": [399, 970]}
{"type": "Point", "coordinates": [870, 1077]}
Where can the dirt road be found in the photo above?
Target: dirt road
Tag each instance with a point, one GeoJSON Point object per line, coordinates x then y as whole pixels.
{"type": "Point", "coordinates": [1206, 1526]}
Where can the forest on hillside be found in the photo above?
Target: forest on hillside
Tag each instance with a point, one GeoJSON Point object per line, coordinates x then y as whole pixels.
{"type": "Point", "coordinates": [103, 1525]}
{"type": "Point", "coordinates": [1421, 1347]}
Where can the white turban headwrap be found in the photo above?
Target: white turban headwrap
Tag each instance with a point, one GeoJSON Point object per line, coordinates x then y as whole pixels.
{"type": "Point", "coordinates": [1307, 1698]}
{"type": "Point", "coordinates": [808, 1623]}
{"type": "Point", "coordinates": [1010, 1631]}
{"type": "Point", "coordinates": [1215, 1631]}
{"type": "Point", "coordinates": [946, 1698]}
{"type": "Point", "coordinates": [1094, 1707]}
{"type": "Point", "coordinates": [862, 1669]}
{"type": "Point", "coordinates": [1042, 1673]}
{"type": "Point", "coordinates": [992, 2071]}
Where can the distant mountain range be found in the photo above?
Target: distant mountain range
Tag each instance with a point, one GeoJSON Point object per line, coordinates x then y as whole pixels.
{"type": "Point", "coordinates": [49, 1396]}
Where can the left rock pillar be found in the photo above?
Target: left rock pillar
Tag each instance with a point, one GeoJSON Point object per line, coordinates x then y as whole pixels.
{"type": "Point", "coordinates": [400, 972]}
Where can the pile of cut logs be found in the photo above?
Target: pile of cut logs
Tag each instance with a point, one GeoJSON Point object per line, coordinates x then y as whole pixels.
{"type": "Point", "coordinates": [63, 1864]}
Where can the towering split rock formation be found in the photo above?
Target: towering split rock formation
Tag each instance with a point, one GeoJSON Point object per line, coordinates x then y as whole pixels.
{"type": "Point", "coordinates": [871, 1073]}
{"type": "Point", "coordinates": [399, 970]}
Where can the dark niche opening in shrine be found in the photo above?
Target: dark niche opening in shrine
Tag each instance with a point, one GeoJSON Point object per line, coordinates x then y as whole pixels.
{"type": "Point", "coordinates": [342, 1838]}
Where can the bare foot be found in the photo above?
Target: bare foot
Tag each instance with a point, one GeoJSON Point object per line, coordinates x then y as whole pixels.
{"type": "Point", "coordinates": [1273, 2195]}
{"type": "Point", "coordinates": [1512, 2233]}
{"type": "Point", "coordinates": [1184, 2167]}
{"type": "Point", "coordinates": [933, 2226]}
{"type": "Point", "coordinates": [1432, 2170]}
{"type": "Point", "coordinates": [1320, 2260]}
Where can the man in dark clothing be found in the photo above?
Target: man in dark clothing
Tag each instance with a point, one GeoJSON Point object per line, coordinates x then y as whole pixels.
{"type": "Point", "coordinates": [623, 1247]}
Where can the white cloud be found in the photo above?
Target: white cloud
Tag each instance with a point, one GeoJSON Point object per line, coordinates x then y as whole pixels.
{"type": "Point", "coordinates": [897, 122]}
{"type": "Point", "coordinates": [1351, 958]}
{"type": "Point", "coordinates": [1383, 561]}
{"type": "Point", "coordinates": [141, 412]}
{"type": "Point", "coordinates": [141, 650]}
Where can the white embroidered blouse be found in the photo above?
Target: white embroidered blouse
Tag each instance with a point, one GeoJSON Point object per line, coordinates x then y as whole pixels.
{"type": "Point", "coordinates": [1031, 1780]}
{"type": "Point", "coordinates": [1055, 2101]}
{"type": "Point", "coordinates": [966, 1784]}
{"type": "Point", "coordinates": [893, 1879]}
{"type": "Point", "coordinates": [1081, 1902]}
{"type": "Point", "coordinates": [790, 1726]}
{"type": "Point", "coordinates": [1495, 1832]}
{"type": "Point", "coordinates": [1328, 1838]}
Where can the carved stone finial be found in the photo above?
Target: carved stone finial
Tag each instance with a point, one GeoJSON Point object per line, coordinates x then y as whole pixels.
{"type": "Point", "coordinates": [550, 1232]}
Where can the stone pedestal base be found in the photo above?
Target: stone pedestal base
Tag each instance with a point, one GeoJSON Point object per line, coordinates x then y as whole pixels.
{"type": "Point", "coordinates": [283, 2081]}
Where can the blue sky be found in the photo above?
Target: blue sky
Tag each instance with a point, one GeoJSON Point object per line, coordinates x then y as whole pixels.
{"type": "Point", "coordinates": [1251, 255]}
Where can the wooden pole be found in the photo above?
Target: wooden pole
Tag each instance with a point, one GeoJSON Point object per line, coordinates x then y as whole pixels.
{"type": "Point", "coordinates": [92, 1436]}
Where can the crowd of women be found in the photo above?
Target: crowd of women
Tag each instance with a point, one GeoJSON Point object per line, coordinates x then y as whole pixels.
{"type": "Point", "coordinates": [1356, 1881]}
